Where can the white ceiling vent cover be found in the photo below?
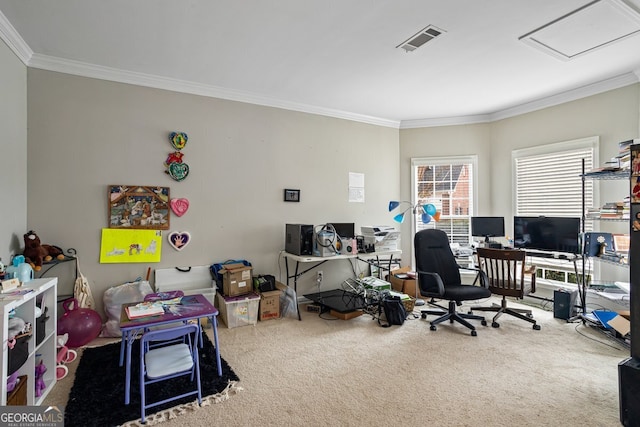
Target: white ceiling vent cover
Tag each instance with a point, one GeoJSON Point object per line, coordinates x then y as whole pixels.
{"type": "Point", "coordinates": [590, 27]}
{"type": "Point", "coordinates": [423, 36]}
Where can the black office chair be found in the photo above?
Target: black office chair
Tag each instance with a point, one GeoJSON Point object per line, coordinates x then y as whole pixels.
{"type": "Point", "coordinates": [438, 276]}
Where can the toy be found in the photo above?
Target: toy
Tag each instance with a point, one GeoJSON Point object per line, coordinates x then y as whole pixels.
{"type": "Point", "coordinates": [65, 355]}
{"type": "Point", "coordinates": [12, 381]}
{"type": "Point", "coordinates": [40, 384]}
{"type": "Point", "coordinates": [82, 324]}
{"type": "Point", "coordinates": [37, 253]}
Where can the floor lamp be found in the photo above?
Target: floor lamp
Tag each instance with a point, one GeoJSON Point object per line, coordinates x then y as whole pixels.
{"type": "Point", "coordinates": [427, 212]}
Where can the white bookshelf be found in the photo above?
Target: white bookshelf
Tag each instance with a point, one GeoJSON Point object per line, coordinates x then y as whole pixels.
{"type": "Point", "coordinates": [44, 290]}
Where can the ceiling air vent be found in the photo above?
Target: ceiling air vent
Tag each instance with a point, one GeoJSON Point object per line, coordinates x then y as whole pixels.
{"type": "Point", "coordinates": [423, 36]}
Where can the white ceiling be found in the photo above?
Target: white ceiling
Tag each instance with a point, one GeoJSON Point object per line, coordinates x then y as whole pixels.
{"type": "Point", "coordinates": [335, 57]}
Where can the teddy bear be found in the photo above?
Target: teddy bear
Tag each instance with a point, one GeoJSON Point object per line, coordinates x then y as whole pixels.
{"type": "Point", "coordinates": [36, 253]}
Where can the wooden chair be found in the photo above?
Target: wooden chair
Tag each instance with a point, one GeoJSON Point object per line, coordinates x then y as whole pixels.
{"type": "Point", "coordinates": [504, 270]}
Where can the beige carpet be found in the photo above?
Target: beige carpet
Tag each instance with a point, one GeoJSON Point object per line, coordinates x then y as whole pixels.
{"type": "Point", "coordinates": [321, 372]}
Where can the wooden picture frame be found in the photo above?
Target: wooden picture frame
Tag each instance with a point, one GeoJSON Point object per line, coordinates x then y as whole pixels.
{"type": "Point", "coordinates": [139, 207]}
{"type": "Point", "coordinates": [291, 195]}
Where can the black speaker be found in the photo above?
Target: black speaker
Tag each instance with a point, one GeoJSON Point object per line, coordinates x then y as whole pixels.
{"type": "Point", "coordinates": [298, 239]}
{"type": "Point", "coordinates": [564, 304]}
{"type": "Point", "coordinates": [629, 392]}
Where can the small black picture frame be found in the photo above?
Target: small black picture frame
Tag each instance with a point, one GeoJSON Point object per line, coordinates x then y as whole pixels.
{"type": "Point", "coordinates": [291, 195]}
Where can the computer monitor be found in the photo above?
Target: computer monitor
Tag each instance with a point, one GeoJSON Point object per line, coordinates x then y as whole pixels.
{"type": "Point", "coordinates": [556, 234]}
{"type": "Point", "coordinates": [487, 227]}
{"type": "Point", "coordinates": [345, 230]}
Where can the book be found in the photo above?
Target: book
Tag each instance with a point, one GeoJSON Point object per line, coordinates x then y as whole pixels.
{"type": "Point", "coordinates": [14, 294]}
{"type": "Point", "coordinates": [144, 309]}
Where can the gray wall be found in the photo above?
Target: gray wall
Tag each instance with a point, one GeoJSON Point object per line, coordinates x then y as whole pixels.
{"type": "Point", "coordinates": [13, 146]}
{"type": "Point", "coordinates": [85, 134]}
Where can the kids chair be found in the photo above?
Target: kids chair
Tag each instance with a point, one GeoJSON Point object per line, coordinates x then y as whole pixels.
{"type": "Point", "coordinates": [171, 361]}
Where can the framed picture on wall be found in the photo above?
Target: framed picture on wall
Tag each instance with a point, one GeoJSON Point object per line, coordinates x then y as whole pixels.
{"type": "Point", "coordinates": [291, 195]}
{"type": "Point", "coordinates": [138, 206]}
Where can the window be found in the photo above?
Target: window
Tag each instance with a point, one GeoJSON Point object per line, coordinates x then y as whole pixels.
{"type": "Point", "coordinates": [449, 184]}
{"type": "Point", "coordinates": [547, 181]}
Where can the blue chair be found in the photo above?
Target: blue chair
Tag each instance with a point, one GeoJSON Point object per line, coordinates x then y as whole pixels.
{"type": "Point", "coordinates": [171, 361]}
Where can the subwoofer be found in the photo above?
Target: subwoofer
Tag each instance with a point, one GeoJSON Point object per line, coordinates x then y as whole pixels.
{"type": "Point", "coordinates": [629, 392]}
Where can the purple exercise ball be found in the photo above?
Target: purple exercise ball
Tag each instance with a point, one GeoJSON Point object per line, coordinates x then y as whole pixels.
{"type": "Point", "coordinates": [82, 324]}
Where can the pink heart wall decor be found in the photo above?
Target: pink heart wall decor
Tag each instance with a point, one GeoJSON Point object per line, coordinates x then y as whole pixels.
{"type": "Point", "coordinates": [179, 206]}
{"type": "Point", "coordinates": [179, 239]}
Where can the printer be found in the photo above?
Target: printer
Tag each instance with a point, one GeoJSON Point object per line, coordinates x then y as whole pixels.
{"type": "Point", "coordinates": [380, 237]}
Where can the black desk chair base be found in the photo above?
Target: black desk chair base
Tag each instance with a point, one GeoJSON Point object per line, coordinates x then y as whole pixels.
{"type": "Point", "coordinates": [453, 316]}
{"type": "Point", "coordinates": [520, 313]}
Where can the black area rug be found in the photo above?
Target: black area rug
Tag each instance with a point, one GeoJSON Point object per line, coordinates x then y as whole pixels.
{"type": "Point", "coordinates": [97, 395]}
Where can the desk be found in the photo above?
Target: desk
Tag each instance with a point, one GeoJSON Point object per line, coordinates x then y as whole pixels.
{"type": "Point", "coordinates": [372, 258]}
{"type": "Point", "coordinates": [198, 306]}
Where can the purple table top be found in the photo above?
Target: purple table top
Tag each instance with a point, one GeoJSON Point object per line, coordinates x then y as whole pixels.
{"type": "Point", "coordinates": [190, 307]}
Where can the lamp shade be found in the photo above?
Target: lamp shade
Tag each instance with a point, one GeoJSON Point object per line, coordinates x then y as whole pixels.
{"type": "Point", "coordinates": [426, 218]}
{"type": "Point", "coordinates": [393, 204]}
{"type": "Point", "coordinates": [399, 218]}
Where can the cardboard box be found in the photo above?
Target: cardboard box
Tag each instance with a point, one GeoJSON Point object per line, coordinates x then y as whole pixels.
{"type": "Point", "coordinates": [346, 316]}
{"type": "Point", "coordinates": [236, 279]}
{"type": "Point", "coordinates": [403, 284]}
{"type": "Point", "coordinates": [270, 303]}
{"type": "Point", "coordinates": [239, 310]}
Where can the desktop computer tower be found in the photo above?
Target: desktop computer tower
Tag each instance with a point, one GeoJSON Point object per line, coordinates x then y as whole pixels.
{"type": "Point", "coordinates": [298, 239]}
{"type": "Point", "coordinates": [629, 391]}
{"type": "Point", "coordinates": [564, 304]}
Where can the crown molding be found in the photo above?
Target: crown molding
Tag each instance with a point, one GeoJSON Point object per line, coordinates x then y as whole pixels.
{"type": "Point", "coordinates": [571, 95]}
{"type": "Point", "coordinates": [15, 42]}
{"type": "Point", "coordinates": [550, 101]}
{"type": "Point", "coordinates": [445, 121]}
{"type": "Point", "coordinates": [84, 69]}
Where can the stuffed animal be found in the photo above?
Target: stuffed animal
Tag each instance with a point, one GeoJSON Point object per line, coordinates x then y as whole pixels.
{"type": "Point", "coordinates": [40, 384]}
{"type": "Point", "coordinates": [36, 253]}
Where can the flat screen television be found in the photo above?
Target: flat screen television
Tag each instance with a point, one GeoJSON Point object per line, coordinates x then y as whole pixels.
{"type": "Point", "coordinates": [487, 226]}
{"type": "Point", "coordinates": [546, 233]}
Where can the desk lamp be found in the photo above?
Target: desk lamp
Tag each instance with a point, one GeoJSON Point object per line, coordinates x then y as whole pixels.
{"type": "Point", "coordinates": [427, 213]}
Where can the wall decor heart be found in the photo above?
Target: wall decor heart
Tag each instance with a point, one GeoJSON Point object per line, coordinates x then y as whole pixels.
{"type": "Point", "coordinates": [179, 206]}
{"type": "Point", "coordinates": [178, 140]}
{"type": "Point", "coordinates": [178, 171]}
{"type": "Point", "coordinates": [179, 239]}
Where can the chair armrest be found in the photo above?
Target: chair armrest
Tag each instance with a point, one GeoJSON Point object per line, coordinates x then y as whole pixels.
{"type": "Point", "coordinates": [484, 282]}
{"type": "Point", "coordinates": [436, 277]}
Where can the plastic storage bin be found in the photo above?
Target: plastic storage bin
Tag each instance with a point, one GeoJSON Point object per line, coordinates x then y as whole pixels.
{"type": "Point", "coordinates": [18, 354]}
{"type": "Point", "coordinates": [239, 310]}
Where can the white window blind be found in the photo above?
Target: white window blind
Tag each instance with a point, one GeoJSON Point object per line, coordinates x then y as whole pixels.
{"type": "Point", "coordinates": [550, 183]}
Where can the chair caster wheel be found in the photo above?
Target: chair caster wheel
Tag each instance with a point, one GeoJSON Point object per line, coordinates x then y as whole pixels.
{"type": "Point", "coordinates": [495, 324]}
{"type": "Point", "coordinates": [451, 321]}
{"type": "Point", "coordinates": [423, 315]}
{"type": "Point", "coordinates": [474, 333]}
{"type": "Point", "coordinates": [536, 327]}
{"type": "Point", "coordinates": [432, 327]}
{"type": "Point", "coordinates": [530, 315]}
{"type": "Point", "coordinates": [483, 323]}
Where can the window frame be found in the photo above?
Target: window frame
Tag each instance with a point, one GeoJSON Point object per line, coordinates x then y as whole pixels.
{"type": "Point", "coordinates": [444, 161]}
{"type": "Point", "coordinates": [591, 144]}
